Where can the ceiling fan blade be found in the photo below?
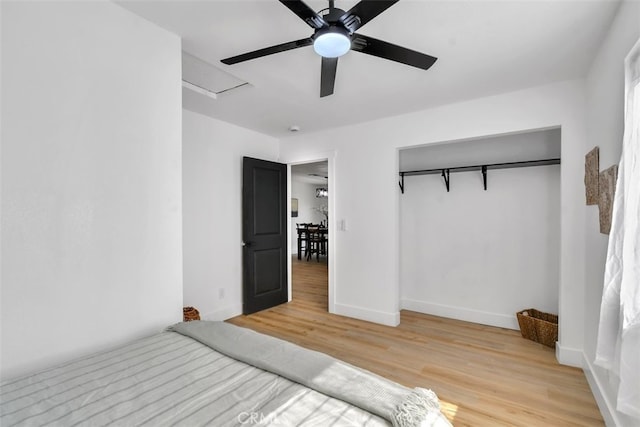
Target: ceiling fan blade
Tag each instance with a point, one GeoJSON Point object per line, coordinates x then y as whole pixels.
{"type": "Point", "coordinates": [382, 49]}
{"type": "Point", "coordinates": [365, 11]}
{"type": "Point", "coordinates": [268, 51]}
{"type": "Point", "coordinates": [327, 76]}
{"type": "Point", "coordinates": [305, 13]}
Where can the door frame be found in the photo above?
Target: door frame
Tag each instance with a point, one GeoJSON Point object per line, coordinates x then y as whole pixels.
{"type": "Point", "coordinates": [329, 157]}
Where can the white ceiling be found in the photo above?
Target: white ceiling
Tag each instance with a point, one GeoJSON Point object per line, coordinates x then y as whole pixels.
{"type": "Point", "coordinates": [483, 48]}
{"type": "Point", "coordinates": [311, 173]}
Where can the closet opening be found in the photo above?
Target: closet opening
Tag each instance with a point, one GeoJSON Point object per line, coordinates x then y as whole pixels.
{"type": "Point", "coordinates": [480, 227]}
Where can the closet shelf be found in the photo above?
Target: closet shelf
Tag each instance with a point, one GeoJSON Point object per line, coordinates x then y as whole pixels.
{"type": "Point", "coordinates": [445, 172]}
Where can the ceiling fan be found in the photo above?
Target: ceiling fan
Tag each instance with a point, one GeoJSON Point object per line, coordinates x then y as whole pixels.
{"type": "Point", "coordinates": [335, 34]}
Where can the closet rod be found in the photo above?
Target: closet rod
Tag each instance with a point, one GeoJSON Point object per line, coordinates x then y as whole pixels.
{"type": "Point", "coordinates": [528, 163]}
{"type": "Point", "coordinates": [445, 171]}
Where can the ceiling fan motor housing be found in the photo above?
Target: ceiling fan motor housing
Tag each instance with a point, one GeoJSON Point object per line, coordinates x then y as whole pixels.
{"type": "Point", "coordinates": [333, 15]}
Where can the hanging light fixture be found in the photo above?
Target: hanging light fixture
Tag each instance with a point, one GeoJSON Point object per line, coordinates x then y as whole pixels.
{"type": "Point", "coordinates": [331, 42]}
{"type": "Point", "coordinates": [321, 192]}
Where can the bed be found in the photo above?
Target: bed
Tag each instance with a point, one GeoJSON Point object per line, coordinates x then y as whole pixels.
{"type": "Point", "coordinates": [212, 373]}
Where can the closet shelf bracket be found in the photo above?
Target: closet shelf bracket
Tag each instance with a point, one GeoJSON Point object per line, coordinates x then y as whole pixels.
{"type": "Point", "coordinates": [484, 176]}
{"type": "Point", "coordinates": [445, 175]}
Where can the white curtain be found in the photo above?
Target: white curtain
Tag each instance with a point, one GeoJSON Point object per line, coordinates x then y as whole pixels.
{"type": "Point", "coordinates": [618, 347]}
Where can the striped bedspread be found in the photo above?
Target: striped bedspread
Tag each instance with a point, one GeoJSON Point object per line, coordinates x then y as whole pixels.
{"type": "Point", "coordinates": [168, 379]}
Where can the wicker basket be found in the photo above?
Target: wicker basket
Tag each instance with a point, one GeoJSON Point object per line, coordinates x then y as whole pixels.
{"type": "Point", "coordinates": [190, 313]}
{"type": "Point", "coordinates": [538, 326]}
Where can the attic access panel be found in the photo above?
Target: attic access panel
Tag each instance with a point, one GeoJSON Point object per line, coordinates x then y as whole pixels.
{"type": "Point", "coordinates": [205, 78]}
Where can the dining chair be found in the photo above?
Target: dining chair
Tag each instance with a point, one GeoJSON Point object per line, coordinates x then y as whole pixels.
{"type": "Point", "coordinates": [317, 242]}
{"type": "Point", "coordinates": [303, 238]}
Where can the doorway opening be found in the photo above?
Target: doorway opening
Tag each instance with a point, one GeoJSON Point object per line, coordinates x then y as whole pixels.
{"type": "Point", "coordinates": [309, 231]}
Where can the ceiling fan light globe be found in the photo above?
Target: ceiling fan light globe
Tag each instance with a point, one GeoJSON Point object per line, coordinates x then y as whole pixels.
{"type": "Point", "coordinates": [331, 44]}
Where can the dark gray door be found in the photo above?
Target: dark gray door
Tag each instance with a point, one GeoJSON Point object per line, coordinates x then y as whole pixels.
{"type": "Point", "coordinates": [264, 233]}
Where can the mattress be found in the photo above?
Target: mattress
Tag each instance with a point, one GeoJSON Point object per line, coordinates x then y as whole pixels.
{"type": "Point", "coordinates": [170, 379]}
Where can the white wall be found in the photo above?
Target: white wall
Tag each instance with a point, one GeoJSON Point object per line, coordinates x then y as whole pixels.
{"type": "Point", "coordinates": [306, 194]}
{"type": "Point", "coordinates": [605, 95]}
{"type": "Point", "coordinates": [367, 272]}
{"type": "Point", "coordinates": [91, 170]}
{"type": "Point", "coordinates": [212, 211]}
{"type": "Point", "coordinates": [480, 255]}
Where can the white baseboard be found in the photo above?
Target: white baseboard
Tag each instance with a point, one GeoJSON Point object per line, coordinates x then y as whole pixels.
{"type": "Point", "coordinates": [607, 408]}
{"type": "Point", "coordinates": [384, 318]}
{"type": "Point", "coordinates": [223, 313]}
{"type": "Point", "coordinates": [468, 315]}
{"type": "Point", "coordinates": [569, 356]}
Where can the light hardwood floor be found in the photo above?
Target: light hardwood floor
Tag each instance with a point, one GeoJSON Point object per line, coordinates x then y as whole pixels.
{"type": "Point", "coordinates": [484, 376]}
